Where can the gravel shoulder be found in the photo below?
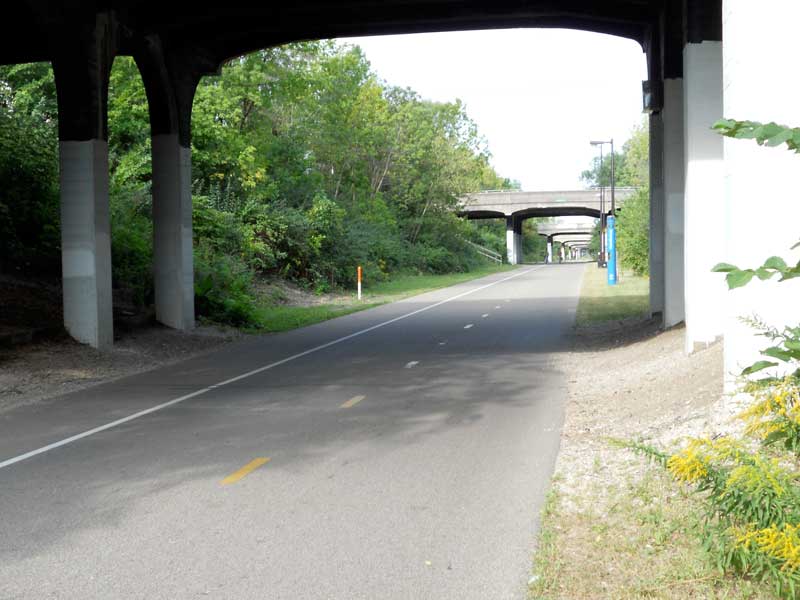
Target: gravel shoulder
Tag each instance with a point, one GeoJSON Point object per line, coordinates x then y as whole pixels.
{"type": "Point", "coordinates": [632, 383]}
{"type": "Point", "coordinates": [42, 370]}
{"type": "Point", "coordinates": [616, 526]}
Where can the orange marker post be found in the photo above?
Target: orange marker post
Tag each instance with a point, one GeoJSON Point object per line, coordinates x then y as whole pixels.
{"type": "Point", "coordinates": [359, 282]}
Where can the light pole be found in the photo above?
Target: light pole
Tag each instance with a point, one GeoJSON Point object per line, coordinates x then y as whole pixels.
{"type": "Point", "coordinates": [611, 243]}
{"type": "Point", "coordinates": [601, 255]}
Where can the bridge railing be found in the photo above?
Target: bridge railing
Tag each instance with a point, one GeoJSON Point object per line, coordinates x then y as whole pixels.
{"type": "Point", "coordinates": [487, 252]}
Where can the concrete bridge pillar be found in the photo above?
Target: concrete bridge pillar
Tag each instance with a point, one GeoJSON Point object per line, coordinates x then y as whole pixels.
{"type": "Point", "coordinates": [673, 168]}
{"type": "Point", "coordinates": [549, 249]}
{"type": "Point", "coordinates": [704, 205]}
{"type": "Point", "coordinates": [656, 214]}
{"type": "Point", "coordinates": [82, 69]}
{"type": "Point", "coordinates": [511, 241]}
{"type": "Point", "coordinates": [762, 211]}
{"type": "Point", "coordinates": [514, 240]}
{"type": "Point", "coordinates": [170, 83]}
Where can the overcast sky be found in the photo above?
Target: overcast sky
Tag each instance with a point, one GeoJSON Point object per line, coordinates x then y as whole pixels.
{"type": "Point", "coordinates": [537, 95]}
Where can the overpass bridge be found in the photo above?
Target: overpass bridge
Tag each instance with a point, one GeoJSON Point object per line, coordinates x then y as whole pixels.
{"type": "Point", "coordinates": [561, 229]}
{"type": "Point", "coordinates": [524, 205]}
{"type": "Point", "coordinates": [568, 242]}
{"type": "Point", "coordinates": [569, 234]}
{"type": "Point", "coordinates": [515, 206]}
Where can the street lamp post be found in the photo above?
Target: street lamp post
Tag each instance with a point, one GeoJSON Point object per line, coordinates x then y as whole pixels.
{"type": "Point", "coordinates": [601, 258]}
{"type": "Point", "coordinates": [611, 242]}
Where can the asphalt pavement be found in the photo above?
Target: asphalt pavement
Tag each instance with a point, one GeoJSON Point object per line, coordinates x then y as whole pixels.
{"type": "Point", "coordinates": [402, 452]}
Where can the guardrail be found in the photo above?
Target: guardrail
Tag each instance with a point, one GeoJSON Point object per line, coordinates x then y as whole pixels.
{"type": "Point", "coordinates": [486, 252]}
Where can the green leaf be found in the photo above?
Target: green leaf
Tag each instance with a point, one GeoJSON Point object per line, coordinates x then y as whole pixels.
{"type": "Point", "coordinates": [773, 437]}
{"type": "Point", "coordinates": [790, 273]}
{"type": "Point", "coordinates": [758, 366]}
{"type": "Point", "coordinates": [738, 278]}
{"type": "Point", "coordinates": [778, 352]}
{"type": "Point", "coordinates": [775, 262]}
{"type": "Point", "coordinates": [792, 344]}
{"type": "Point", "coordinates": [763, 274]}
{"type": "Point", "coordinates": [724, 268]}
{"type": "Point", "coordinates": [724, 124]}
{"type": "Point", "coordinates": [770, 131]}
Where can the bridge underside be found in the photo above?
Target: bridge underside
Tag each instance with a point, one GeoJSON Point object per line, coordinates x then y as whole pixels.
{"type": "Point", "coordinates": [225, 30]}
{"type": "Point", "coordinates": [530, 213]}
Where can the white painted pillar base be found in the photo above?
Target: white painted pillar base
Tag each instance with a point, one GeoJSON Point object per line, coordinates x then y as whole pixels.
{"type": "Point", "coordinates": [511, 243]}
{"type": "Point", "coordinates": [673, 202]}
{"type": "Point", "coordinates": [704, 205]}
{"type": "Point", "coordinates": [86, 242]}
{"type": "Point", "coordinates": [172, 232]}
{"type": "Point", "coordinates": [656, 214]}
{"type": "Point", "coordinates": [549, 250]}
{"type": "Point", "coordinates": [761, 205]}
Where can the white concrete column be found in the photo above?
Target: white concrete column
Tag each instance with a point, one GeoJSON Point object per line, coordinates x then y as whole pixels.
{"type": "Point", "coordinates": [674, 167]}
{"type": "Point", "coordinates": [762, 209]}
{"type": "Point", "coordinates": [86, 242]}
{"type": "Point", "coordinates": [704, 206]}
{"type": "Point", "coordinates": [172, 232]}
{"type": "Point", "coordinates": [518, 240]}
{"type": "Point", "coordinates": [657, 228]}
{"type": "Point", "coordinates": [549, 249]}
{"type": "Point", "coordinates": [511, 241]}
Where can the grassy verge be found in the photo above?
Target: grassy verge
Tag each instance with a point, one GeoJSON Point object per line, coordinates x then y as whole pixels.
{"type": "Point", "coordinates": [602, 302]}
{"type": "Point", "coordinates": [276, 317]}
{"type": "Point", "coordinates": [633, 538]}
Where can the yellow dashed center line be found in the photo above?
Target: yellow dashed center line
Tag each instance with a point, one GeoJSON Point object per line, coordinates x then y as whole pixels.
{"type": "Point", "coordinates": [352, 402]}
{"type": "Point", "coordinates": [245, 470]}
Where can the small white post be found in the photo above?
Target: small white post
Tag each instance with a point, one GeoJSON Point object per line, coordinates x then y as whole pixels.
{"type": "Point", "coordinates": [359, 282]}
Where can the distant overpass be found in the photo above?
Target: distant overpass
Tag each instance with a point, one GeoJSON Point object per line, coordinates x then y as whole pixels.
{"type": "Point", "coordinates": [515, 206]}
{"type": "Point", "coordinates": [560, 229]}
{"type": "Point", "coordinates": [567, 233]}
{"type": "Point", "coordinates": [524, 205]}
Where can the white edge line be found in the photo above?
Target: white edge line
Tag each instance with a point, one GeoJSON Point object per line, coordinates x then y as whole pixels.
{"type": "Point", "coordinates": [79, 436]}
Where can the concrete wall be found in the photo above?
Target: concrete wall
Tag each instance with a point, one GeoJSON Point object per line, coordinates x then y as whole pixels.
{"type": "Point", "coordinates": [761, 199]}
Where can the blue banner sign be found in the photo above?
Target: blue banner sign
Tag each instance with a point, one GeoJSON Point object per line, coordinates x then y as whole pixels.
{"type": "Point", "coordinates": [611, 245]}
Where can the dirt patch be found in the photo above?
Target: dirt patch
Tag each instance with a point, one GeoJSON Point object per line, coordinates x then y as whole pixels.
{"type": "Point", "coordinates": [29, 306]}
{"type": "Point", "coordinates": [41, 370]}
{"type": "Point", "coordinates": [279, 292]}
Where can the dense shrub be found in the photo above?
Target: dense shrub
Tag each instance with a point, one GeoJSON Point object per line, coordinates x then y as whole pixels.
{"type": "Point", "coordinates": [132, 247]}
{"type": "Point", "coordinates": [223, 288]}
{"type": "Point", "coordinates": [29, 209]}
{"type": "Point", "coordinates": [633, 232]}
